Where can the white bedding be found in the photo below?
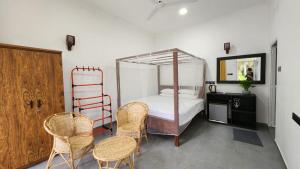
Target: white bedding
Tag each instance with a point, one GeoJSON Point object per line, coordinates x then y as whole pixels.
{"type": "Point", "coordinates": [162, 106]}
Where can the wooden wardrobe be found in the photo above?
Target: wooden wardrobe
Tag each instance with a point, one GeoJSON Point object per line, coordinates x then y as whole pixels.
{"type": "Point", "coordinates": [31, 89]}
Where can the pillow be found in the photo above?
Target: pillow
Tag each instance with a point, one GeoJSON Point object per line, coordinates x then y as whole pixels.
{"type": "Point", "coordinates": [167, 91]}
{"type": "Point", "coordinates": [188, 96]}
{"type": "Point", "coordinates": [187, 91]}
{"type": "Point", "coordinates": [166, 94]}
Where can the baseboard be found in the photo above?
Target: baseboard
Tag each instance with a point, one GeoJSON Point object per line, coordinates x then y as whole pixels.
{"type": "Point", "coordinates": [261, 124]}
{"type": "Point", "coordinates": [279, 149]}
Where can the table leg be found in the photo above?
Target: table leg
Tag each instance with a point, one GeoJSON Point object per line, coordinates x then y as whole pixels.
{"type": "Point", "coordinates": [100, 164]}
{"type": "Point", "coordinates": [131, 164]}
{"type": "Point", "coordinates": [117, 165]}
{"type": "Point", "coordinates": [107, 165]}
{"type": "Point", "coordinates": [133, 157]}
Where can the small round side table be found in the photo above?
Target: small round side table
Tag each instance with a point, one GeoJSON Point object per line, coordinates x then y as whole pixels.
{"type": "Point", "coordinates": [118, 149]}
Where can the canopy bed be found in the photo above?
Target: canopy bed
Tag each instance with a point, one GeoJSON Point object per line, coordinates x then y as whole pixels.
{"type": "Point", "coordinates": [177, 102]}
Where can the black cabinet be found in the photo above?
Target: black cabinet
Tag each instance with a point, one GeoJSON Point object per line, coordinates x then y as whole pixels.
{"type": "Point", "coordinates": [241, 108]}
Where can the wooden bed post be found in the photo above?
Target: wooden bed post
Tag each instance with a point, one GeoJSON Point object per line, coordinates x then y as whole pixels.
{"type": "Point", "coordinates": [204, 87]}
{"type": "Point", "coordinates": [176, 102]}
{"type": "Point", "coordinates": [176, 141]}
{"type": "Point", "coordinates": [158, 79]}
{"type": "Point", "coordinates": [118, 82]}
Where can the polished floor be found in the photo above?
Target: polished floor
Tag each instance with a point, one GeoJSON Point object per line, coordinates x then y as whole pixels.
{"type": "Point", "coordinates": [205, 145]}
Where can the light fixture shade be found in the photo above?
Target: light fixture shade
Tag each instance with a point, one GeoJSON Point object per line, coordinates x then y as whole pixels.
{"type": "Point", "coordinates": [227, 47]}
{"type": "Point", "coordinates": [70, 41]}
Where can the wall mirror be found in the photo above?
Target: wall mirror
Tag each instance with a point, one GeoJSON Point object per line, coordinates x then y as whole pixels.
{"type": "Point", "coordinates": [234, 69]}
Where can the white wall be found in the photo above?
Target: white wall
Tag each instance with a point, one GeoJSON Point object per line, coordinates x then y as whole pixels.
{"type": "Point", "coordinates": [248, 32]}
{"type": "Point", "coordinates": [137, 81]}
{"type": "Point", "coordinates": [286, 29]}
{"type": "Point", "coordinates": [194, 69]}
{"type": "Point", "coordinates": [100, 38]}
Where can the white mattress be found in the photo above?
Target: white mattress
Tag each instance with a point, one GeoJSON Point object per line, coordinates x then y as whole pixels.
{"type": "Point", "coordinates": [163, 107]}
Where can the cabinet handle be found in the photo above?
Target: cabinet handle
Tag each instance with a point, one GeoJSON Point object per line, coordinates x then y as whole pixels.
{"type": "Point", "coordinates": [39, 103]}
{"type": "Point", "coordinates": [30, 103]}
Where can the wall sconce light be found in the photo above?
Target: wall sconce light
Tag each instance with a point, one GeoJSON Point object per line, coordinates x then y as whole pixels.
{"type": "Point", "coordinates": [227, 47]}
{"type": "Point", "coordinates": [70, 40]}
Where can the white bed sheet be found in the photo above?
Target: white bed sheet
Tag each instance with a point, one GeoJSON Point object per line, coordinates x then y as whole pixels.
{"type": "Point", "coordinates": [163, 107]}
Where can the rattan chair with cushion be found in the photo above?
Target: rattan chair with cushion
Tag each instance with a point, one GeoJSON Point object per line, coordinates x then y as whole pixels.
{"type": "Point", "coordinates": [131, 120]}
{"type": "Point", "coordinates": [73, 137]}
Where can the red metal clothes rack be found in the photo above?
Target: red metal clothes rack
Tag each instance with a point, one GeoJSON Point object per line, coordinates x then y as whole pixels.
{"type": "Point", "coordinates": [103, 101]}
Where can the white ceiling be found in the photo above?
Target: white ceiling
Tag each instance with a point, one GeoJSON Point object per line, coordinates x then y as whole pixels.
{"type": "Point", "coordinates": [136, 12]}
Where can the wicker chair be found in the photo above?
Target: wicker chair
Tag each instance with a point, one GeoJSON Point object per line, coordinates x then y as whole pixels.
{"type": "Point", "coordinates": [73, 136]}
{"type": "Point", "coordinates": [131, 121]}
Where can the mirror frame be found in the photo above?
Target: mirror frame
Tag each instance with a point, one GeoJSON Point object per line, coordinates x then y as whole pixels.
{"type": "Point", "coordinates": [262, 72]}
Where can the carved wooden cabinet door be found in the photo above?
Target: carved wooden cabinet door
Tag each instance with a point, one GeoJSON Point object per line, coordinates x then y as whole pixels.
{"type": "Point", "coordinates": [31, 88]}
{"type": "Point", "coordinates": [49, 96]}
{"type": "Point", "coordinates": [16, 109]}
{"type": "Point", "coordinates": [8, 109]}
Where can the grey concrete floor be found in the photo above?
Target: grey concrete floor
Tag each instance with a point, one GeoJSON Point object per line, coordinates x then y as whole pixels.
{"type": "Point", "coordinates": [204, 145]}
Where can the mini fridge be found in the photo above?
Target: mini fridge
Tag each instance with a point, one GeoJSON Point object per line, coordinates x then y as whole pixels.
{"type": "Point", "coordinates": [218, 113]}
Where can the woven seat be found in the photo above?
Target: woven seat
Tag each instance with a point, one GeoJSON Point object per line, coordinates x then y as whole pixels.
{"type": "Point", "coordinates": [72, 133]}
{"type": "Point", "coordinates": [131, 121]}
{"type": "Point", "coordinates": [118, 149]}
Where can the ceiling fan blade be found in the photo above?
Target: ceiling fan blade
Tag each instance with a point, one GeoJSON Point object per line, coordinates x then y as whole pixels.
{"type": "Point", "coordinates": [153, 12]}
{"type": "Point", "coordinates": [153, 1]}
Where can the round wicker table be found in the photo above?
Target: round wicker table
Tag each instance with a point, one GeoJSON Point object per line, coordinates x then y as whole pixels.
{"type": "Point", "coordinates": [118, 149]}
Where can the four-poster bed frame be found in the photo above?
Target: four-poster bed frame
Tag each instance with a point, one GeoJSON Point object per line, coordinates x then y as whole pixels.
{"type": "Point", "coordinates": [165, 57]}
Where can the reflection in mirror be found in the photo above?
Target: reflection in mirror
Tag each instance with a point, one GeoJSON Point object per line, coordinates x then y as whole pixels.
{"type": "Point", "coordinates": [238, 68]}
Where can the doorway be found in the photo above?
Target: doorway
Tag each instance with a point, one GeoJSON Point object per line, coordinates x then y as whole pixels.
{"type": "Point", "coordinates": [273, 84]}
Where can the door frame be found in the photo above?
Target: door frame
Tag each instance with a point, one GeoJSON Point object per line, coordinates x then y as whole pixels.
{"type": "Point", "coordinates": [273, 83]}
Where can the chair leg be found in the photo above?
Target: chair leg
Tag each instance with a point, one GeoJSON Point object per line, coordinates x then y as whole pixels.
{"type": "Point", "coordinates": [71, 161]}
{"type": "Point", "coordinates": [146, 135]}
{"type": "Point", "coordinates": [52, 155]}
{"type": "Point", "coordinates": [139, 145]}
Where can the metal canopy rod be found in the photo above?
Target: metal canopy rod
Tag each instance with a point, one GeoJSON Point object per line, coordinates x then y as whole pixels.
{"type": "Point", "coordinates": [169, 51]}
{"type": "Point", "coordinates": [159, 58]}
{"type": "Point", "coordinates": [181, 51]}
{"type": "Point", "coordinates": [170, 63]}
{"type": "Point", "coordinates": [163, 60]}
{"type": "Point", "coordinates": [169, 59]}
{"type": "Point", "coordinates": [147, 54]}
{"type": "Point", "coordinates": [138, 62]}
{"type": "Point", "coordinates": [156, 56]}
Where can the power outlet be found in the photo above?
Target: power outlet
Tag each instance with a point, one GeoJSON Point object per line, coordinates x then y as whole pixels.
{"type": "Point", "coordinates": [279, 68]}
